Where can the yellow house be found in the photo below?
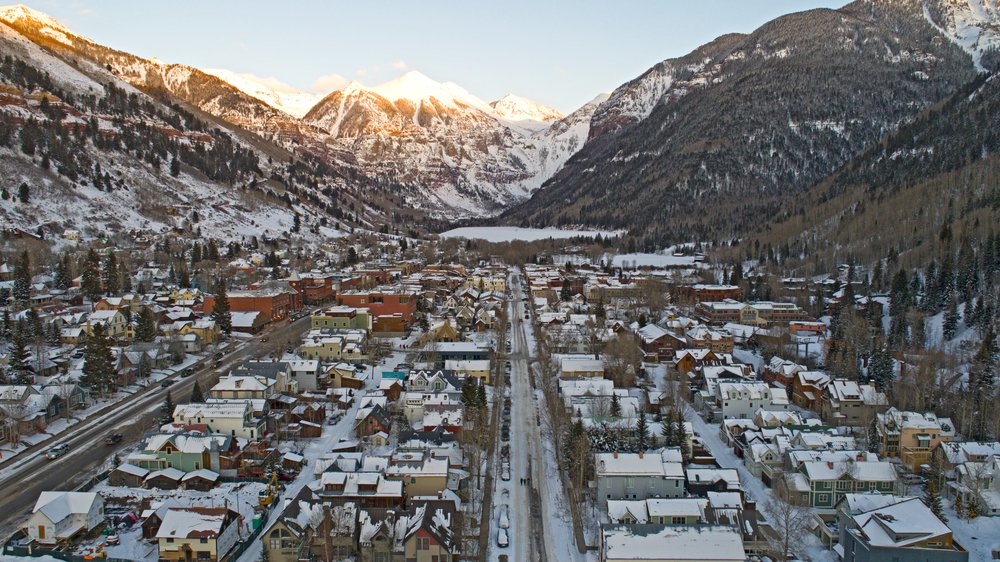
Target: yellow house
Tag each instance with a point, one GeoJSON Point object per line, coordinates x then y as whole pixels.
{"type": "Point", "coordinates": [912, 436]}
{"type": "Point", "coordinates": [113, 321]}
{"type": "Point", "coordinates": [478, 368]}
{"type": "Point", "coordinates": [206, 329]}
{"type": "Point", "coordinates": [197, 533]}
{"type": "Point", "coordinates": [421, 476]}
{"type": "Point", "coordinates": [189, 294]}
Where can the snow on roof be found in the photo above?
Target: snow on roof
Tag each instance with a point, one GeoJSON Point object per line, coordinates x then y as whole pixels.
{"type": "Point", "coordinates": [900, 524]}
{"type": "Point", "coordinates": [865, 471]}
{"type": "Point", "coordinates": [202, 473]}
{"type": "Point", "coordinates": [57, 506]}
{"type": "Point", "coordinates": [133, 470]}
{"type": "Point", "coordinates": [650, 542]}
{"type": "Point", "coordinates": [637, 464]}
{"type": "Point", "coordinates": [581, 364]}
{"type": "Point", "coordinates": [192, 522]}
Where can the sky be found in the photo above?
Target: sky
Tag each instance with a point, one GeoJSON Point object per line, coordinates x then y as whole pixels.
{"type": "Point", "coordinates": [559, 52]}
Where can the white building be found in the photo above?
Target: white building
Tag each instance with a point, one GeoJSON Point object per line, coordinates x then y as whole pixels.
{"type": "Point", "coordinates": [58, 516]}
{"type": "Point", "coordinates": [743, 399]}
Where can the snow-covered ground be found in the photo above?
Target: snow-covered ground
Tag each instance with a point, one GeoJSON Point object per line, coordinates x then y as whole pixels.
{"type": "Point", "coordinates": [652, 260]}
{"type": "Point", "coordinates": [315, 448]}
{"type": "Point", "coordinates": [709, 434]}
{"type": "Point", "coordinates": [511, 233]}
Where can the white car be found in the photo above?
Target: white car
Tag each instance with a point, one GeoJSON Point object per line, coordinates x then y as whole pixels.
{"type": "Point", "coordinates": [504, 518]}
{"type": "Point", "coordinates": [502, 539]}
{"type": "Point", "coordinates": [505, 471]}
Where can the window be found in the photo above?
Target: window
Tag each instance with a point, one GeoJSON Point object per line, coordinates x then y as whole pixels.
{"type": "Point", "coordinates": [677, 520]}
{"type": "Point", "coordinates": [274, 543]}
{"type": "Point", "coordinates": [203, 541]}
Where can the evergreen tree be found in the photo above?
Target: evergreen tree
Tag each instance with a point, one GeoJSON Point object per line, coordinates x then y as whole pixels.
{"type": "Point", "coordinates": [933, 483]}
{"type": "Point", "coordinates": [175, 167]}
{"type": "Point", "coordinates": [681, 420]}
{"type": "Point", "coordinates": [220, 310]}
{"type": "Point", "coordinates": [53, 336]}
{"type": "Point", "coordinates": [90, 281]}
{"type": "Point", "coordinates": [616, 407]}
{"type": "Point", "coordinates": [669, 430]}
{"type": "Point", "coordinates": [183, 278]}
{"type": "Point", "coordinates": [63, 276]}
{"type": "Point", "coordinates": [352, 256]}
{"type": "Point", "coordinates": [98, 362]}
{"type": "Point", "coordinates": [196, 394]}
{"type": "Point", "coordinates": [642, 433]}
{"type": "Point", "coordinates": [23, 192]}
{"type": "Point", "coordinates": [167, 410]}
{"type": "Point", "coordinates": [110, 276]}
{"type": "Point", "coordinates": [145, 327]}
{"type": "Point", "coordinates": [880, 367]}
{"type": "Point", "coordinates": [18, 362]}
{"type": "Point", "coordinates": [22, 278]}
{"type": "Point", "coordinates": [951, 318]}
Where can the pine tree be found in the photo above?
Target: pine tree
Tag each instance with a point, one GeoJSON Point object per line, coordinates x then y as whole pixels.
{"type": "Point", "coordinates": [642, 433]}
{"type": "Point", "coordinates": [183, 278]}
{"type": "Point", "coordinates": [933, 500]}
{"type": "Point", "coordinates": [22, 278]}
{"type": "Point", "coordinates": [110, 276]}
{"type": "Point", "coordinates": [175, 167]}
{"type": "Point", "coordinates": [196, 394]}
{"type": "Point", "coordinates": [220, 311]}
{"type": "Point", "coordinates": [18, 363]}
{"type": "Point", "coordinates": [23, 192]}
{"type": "Point", "coordinates": [951, 318]}
{"type": "Point", "coordinates": [98, 362]}
{"type": "Point", "coordinates": [90, 282]}
{"type": "Point", "coordinates": [681, 421]}
{"type": "Point", "coordinates": [616, 407]}
{"type": "Point", "coordinates": [167, 410]}
{"type": "Point", "coordinates": [145, 327]}
{"type": "Point", "coordinates": [668, 429]}
{"type": "Point", "coordinates": [53, 336]}
{"type": "Point", "coordinates": [880, 367]}
{"type": "Point", "coordinates": [63, 275]}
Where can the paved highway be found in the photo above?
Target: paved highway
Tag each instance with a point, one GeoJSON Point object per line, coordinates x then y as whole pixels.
{"type": "Point", "coordinates": [24, 479]}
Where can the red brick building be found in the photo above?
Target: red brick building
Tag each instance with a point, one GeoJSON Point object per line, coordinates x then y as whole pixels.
{"type": "Point", "coordinates": [382, 303]}
{"type": "Point", "coordinates": [272, 305]}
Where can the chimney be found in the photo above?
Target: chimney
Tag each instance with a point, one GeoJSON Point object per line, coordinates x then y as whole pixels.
{"type": "Point", "coordinates": [641, 453]}
{"type": "Point", "coordinates": [829, 464]}
{"type": "Point", "coordinates": [616, 454]}
{"type": "Point", "coordinates": [860, 457]}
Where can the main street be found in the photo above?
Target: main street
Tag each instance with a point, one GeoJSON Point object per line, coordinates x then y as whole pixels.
{"type": "Point", "coordinates": [523, 492]}
{"type": "Point", "coordinates": [30, 473]}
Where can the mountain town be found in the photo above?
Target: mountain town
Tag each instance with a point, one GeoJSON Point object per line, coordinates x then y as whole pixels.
{"type": "Point", "coordinates": [708, 316]}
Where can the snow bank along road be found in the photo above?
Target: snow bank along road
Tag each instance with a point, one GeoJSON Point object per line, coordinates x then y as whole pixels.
{"type": "Point", "coordinates": [22, 482]}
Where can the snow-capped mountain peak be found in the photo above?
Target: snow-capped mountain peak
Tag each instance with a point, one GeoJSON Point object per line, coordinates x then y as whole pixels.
{"type": "Point", "coordinates": [414, 86]}
{"type": "Point", "coordinates": [516, 108]}
{"type": "Point", "coordinates": [270, 90]}
{"type": "Point", "coordinates": [22, 13]}
{"type": "Point", "coordinates": [972, 24]}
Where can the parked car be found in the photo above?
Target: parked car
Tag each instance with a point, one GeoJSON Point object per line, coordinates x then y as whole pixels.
{"type": "Point", "coordinates": [504, 518]}
{"type": "Point", "coordinates": [263, 339]}
{"type": "Point", "coordinates": [502, 540]}
{"type": "Point", "coordinates": [505, 471]}
{"type": "Point", "coordinates": [219, 355]}
{"type": "Point", "coordinates": [113, 439]}
{"type": "Point", "coordinates": [57, 451]}
{"type": "Point", "coordinates": [187, 372]}
{"type": "Point", "coordinates": [166, 383]}
{"type": "Point", "coordinates": [113, 539]}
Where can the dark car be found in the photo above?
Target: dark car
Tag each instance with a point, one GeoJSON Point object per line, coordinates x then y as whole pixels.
{"type": "Point", "coordinates": [113, 439]}
{"type": "Point", "coordinates": [166, 383]}
{"type": "Point", "coordinates": [187, 373]}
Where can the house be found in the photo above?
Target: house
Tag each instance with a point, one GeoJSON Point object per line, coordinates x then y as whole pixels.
{"type": "Point", "coordinates": [658, 344]}
{"type": "Point", "coordinates": [342, 318]}
{"type": "Point", "coordinates": [826, 482]}
{"type": "Point", "coordinates": [850, 403]}
{"type": "Point", "coordinates": [809, 390]}
{"type": "Point", "coordinates": [477, 368]}
{"type": "Point", "coordinates": [654, 474]}
{"type": "Point", "coordinates": [185, 451]}
{"type": "Point", "coordinates": [233, 418]}
{"type": "Point", "coordinates": [581, 367]}
{"type": "Point", "coordinates": [202, 480]}
{"type": "Point", "coordinates": [743, 399]}
{"type": "Point", "coordinates": [905, 529]}
{"type": "Point", "coordinates": [59, 516]}
{"type": "Point", "coordinates": [430, 533]}
{"type": "Point", "coordinates": [204, 328]}
{"type": "Point", "coordinates": [672, 511]}
{"type": "Point", "coordinates": [197, 533]}
{"type": "Point", "coordinates": [421, 475]}
{"type": "Point", "coordinates": [911, 436]}
{"type": "Point", "coordinates": [670, 543]}
{"type": "Point", "coordinates": [703, 480]}
{"type": "Point", "coordinates": [307, 374]}
{"type": "Point", "coordinates": [112, 321]}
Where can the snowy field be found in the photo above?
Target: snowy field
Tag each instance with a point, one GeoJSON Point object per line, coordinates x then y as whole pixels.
{"type": "Point", "coordinates": [651, 260]}
{"type": "Point", "coordinates": [511, 233]}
